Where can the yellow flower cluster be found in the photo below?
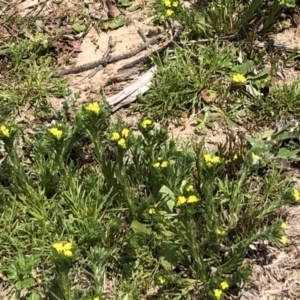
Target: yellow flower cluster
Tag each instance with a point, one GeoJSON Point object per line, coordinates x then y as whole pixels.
{"type": "Point", "coordinates": [219, 292]}
{"type": "Point", "coordinates": [65, 249]}
{"type": "Point", "coordinates": [56, 132]}
{"type": "Point", "coordinates": [160, 163]}
{"type": "Point", "coordinates": [161, 280]}
{"type": "Point", "coordinates": [169, 12]}
{"type": "Point", "coordinates": [189, 188]}
{"type": "Point", "coordinates": [224, 285]}
{"type": "Point", "coordinates": [93, 107]}
{"type": "Point", "coordinates": [211, 160]}
{"type": "Point", "coordinates": [283, 226]}
{"type": "Point", "coordinates": [296, 195]}
{"type": "Point", "coordinates": [239, 78]}
{"type": "Point", "coordinates": [146, 123]}
{"type": "Point", "coordinates": [4, 130]}
{"type": "Point", "coordinates": [151, 211]}
{"type": "Point", "coordinates": [220, 232]}
{"type": "Point", "coordinates": [120, 138]}
{"type": "Point", "coordinates": [169, 4]}
{"type": "Point", "coordinates": [184, 200]}
{"type": "Point", "coordinates": [283, 239]}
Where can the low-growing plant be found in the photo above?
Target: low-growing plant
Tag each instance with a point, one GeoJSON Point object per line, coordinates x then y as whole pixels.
{"type": "Point", "coordinates": [30, 59]}
{"type": "Point", "coordinates": [144, 206]}
{"type": "Point", "coordinates": [224, 18]}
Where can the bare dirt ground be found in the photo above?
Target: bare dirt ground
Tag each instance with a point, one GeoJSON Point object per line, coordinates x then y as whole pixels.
{"type": "Point", "coordinates": [278, 274]}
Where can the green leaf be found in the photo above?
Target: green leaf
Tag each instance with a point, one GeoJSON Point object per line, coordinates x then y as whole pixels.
{"type": "Point", "coordinates": [24, 284]}
{"type": "Point", "coordinates": [79, 27]}
{"type": "Point", "coordinates": [257, 143]}
{"type": "Point", "coordinates": [137, 240]}
{"type": "Point", "coordinates": [117, 22]}
{"type": "Point", "coordinates": [286, 153]}
{"type": "Point", "coordinates": [261, 75]}
{"type": "Point", "coordinates": [165, 264]}
{"type": "Point", "coordinates": [138, 227]}
{"type": "Point", "coordinates": [171, 253]}
{"type": "Point", "coordinates": [243, 68]}
{"type": "Point", "coordinates": [133, 8]}
{"type": "Point", "coordinates": [168, 197]}
{"type": "Point", "coordinates": [12, 272]}
{"type": "Point", "coordinates": [124, 3]}
{"type": "Point", "coordinates": [33, 296]}
{"type": "Point", "coordinates": [266, 134]}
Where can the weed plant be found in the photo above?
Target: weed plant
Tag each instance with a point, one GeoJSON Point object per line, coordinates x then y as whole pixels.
{"type": "Point", "coordinates": [93, 202]}
{"type": "Point", "coordinates": [93, 210]}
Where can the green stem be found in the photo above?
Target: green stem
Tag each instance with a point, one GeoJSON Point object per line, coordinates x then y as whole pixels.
{"type": "Point", "coordinates": [65, 285]}
{"type": "Point", "coordinates": [209, 203]}
{"type": "Point", "coordinates": [121, 175]}
{"type": "Point", "coordinates": [18, 170]}
{"type": "Point", "coordinates": [98, 149]}
{"type": "Point", "coordinates": [194, 247]}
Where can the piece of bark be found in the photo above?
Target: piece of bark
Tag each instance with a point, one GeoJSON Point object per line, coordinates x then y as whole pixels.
{"type": "Point", "coordinates": [130, 93]}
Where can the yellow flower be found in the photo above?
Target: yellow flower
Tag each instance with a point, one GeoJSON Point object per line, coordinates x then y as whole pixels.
{"type": "Point", "coordinates": [68, 253]}
{"type": "Point", "coordinates": [296, 195]}
{"type": "Point", "coordinates": [189, 188]}
{"type": "Point", "coordinates": [96, 298]}
{"type": "Point", "coordinates": [175, 4]}
{"type": "Point", "coordinates": [283, 225]}
{"type": "Point", "coordinates": [239, 78]}
{"type": "Point", "coordinates": [93, 107]}
{"type": "Point", "coordinates": [161, 280]}
{"type": "Point", "coordinates": [219, 232]}
{"type": "Point", "coordinates": [218, 293]}
{"type": "Point", "coordinates": [33, 273]}
{"type": "Point", "coordinates": [63, 249]}
{"type": "Point", "coordinates": [169, 12]}
{"type": "Point", "coordinates": [192, 199]}
{"type": "Point", "coordinates": [164, 164]}
{"type": "Point", "coordinates": [125, 132]}
{"type": "Point", "coordinates": [4, 130]}
{"type": "Point", "coordinates": [68, 246]}
{"type": "Point", "coordinates": [181, 200]}
{"type": "Point", "coordinates": [235, 157]}
{"type": "Point", "coordinates": [146, 123]}
{"type": "Point", "coordinates": [207, 157]}
{"type": "Point", "coordinates": [167, 3]}
{"type": "Point", "coordinates": [122, 143]}
{"type": "Point", "coordinates": [56, 132]}
{"type": "Point", "coordinates": [58, 247]}
{"type": "Point", "coordinates": [216, 160]}
{"type": "Point", "coordinates": [211, 159]}
{"type": "Point", "coordinates": [283, 239]}
{"type": "Point", "coordinates": [224, 285]}
{"type": "Point", "coordinates": [255, 158]}
{"type": "Point", "coordinates": [151, 211]}
{"type": "Point", "coordinates": [115, 136]}
{"type": "Point", "coordinates": [156, 165]}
